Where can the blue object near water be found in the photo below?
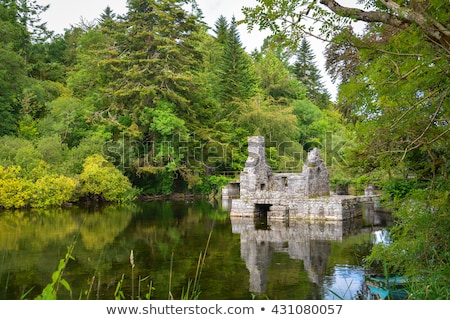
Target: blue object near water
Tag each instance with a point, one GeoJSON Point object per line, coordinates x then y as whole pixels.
{"type": "Point", "coordinates": [392, 287]}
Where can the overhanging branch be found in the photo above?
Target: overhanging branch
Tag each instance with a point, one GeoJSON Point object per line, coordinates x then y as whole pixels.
{"type": "Point", "coordinates": [366, 16]}
{"type": "Point", "coordinates": [401, 17]}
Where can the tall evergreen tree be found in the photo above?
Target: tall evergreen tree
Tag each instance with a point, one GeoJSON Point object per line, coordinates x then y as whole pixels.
{"type": "Point", "coordinates": [139, 75]}
{"type": "Point", "coordinates": [151, 57]}
{"type": "Point", "coordinates": [308, 74]}
{"type": "Point", "coordinates": [107, 17]}
{"type": "Point", "coordinates": [221, 29]}
{"type": "Point", "coordinates": [29, 12]}
{"type": "Point", "coordinates": [238, 77]}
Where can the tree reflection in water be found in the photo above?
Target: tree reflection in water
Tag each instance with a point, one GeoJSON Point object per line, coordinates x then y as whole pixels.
{"type": "Point", "coordinates": [245, 259]}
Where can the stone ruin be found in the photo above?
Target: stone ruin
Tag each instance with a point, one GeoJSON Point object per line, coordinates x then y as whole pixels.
{"type": "Point", "coordinates": [287, 195]}
{"type": "Point", "coordinates": [257, 179]}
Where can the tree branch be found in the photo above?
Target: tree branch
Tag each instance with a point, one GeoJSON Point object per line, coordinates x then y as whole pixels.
{"type": "Point", "coordinates": [401, 17]}
{"type": "Point", "coordinates": [411, 145]}
{"type": "Point", "coordinates": [366, 16]}
{"type": "Point", "coordinates": [397, 121]}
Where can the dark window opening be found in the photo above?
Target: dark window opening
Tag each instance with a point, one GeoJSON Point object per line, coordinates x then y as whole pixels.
{"type": "Point", "coordinates": [263, 186]}
{"type": "Point", "coordinates": [261, 216]}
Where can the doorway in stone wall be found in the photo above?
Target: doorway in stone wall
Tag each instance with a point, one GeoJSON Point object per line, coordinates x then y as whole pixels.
{"type": "Point", "coordinates": [261, 210]}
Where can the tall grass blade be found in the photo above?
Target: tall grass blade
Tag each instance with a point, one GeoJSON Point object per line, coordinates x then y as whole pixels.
{"type": "Point", "coordinates": [118, 293]}
{"type": "Point", "coordinates": [170, 296]}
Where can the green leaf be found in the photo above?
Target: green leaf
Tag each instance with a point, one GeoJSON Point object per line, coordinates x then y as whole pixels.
{"type": "Point", "coordinates": [65, 284]}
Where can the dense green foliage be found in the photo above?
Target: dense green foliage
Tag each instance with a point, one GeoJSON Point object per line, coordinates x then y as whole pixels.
{"type": "Point", "coordinates": [419, 247]}
{"type": "Point", "coordinates": [152, 100]}
{"type": "Point", "coordinates": [394, 93]}
{"type": "Point", "coordinates": [36, 183]}
{"type": "Point", "coordinates": [155, 93]}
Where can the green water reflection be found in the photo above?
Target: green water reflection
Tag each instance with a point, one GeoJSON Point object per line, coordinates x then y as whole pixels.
{"type": "Point", "coordinates": [298, 260]}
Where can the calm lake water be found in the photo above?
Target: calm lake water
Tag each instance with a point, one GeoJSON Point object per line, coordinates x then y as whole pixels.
{"type": "Point", "coordinates": [245, 259]}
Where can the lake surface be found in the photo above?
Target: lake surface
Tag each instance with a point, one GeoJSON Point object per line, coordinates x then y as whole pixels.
{"type": "Point", "coordinates": [245, 259]}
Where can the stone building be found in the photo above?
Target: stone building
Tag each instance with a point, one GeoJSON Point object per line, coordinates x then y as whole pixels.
{"type": "Point", "coordinates": [287, 195]}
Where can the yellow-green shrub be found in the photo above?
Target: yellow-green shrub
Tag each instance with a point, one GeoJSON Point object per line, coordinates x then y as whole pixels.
{"type": "Point", "coordinates": [15, 191]}
{"type": "Point", "coordinates": [100, 178]}
{"type": "Point", "coordinates": [51, 191]}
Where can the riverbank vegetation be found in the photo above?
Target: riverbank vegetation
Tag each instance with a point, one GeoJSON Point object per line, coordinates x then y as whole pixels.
{"type": "Point", "coordinates": [156, 102]}
{"type": "Point", "coordinates": [393, 91]}
{"type": "Point", "coordinates": [170, 107]}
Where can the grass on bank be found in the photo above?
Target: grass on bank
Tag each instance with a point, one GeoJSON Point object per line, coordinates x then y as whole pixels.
{"type": "Point", "coordinates": [141, 288]}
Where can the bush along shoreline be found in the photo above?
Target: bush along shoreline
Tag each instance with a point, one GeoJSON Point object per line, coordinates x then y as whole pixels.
{"type": "Point", "coordinates": [98, 181]}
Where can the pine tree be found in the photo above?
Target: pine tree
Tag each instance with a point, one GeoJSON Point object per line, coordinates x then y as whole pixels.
{"type": "Point", "coordinates": [221, 29]}
{"type": "Point", "coordinates": [29, 12]}
{"type": "Point", "coordinates": [309, 75]}
{"type": "Point", "coordinates": [151, 60]}
{"type": "Point", "coordinates": [238, 77]}
{"type": "Point", "coordinates": [107, 17]}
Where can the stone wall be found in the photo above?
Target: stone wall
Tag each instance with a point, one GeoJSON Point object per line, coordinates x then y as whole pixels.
{"type": "Point", "coordinates": [316, 175]}
{"type": "Point", "coordinates": [231, 191]}
{"type": "Point", "coordinates": [304, 195]}
{"type": "Point", "coordinates": [258, 182]}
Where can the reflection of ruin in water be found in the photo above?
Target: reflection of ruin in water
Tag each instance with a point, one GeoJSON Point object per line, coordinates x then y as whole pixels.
{"type": "Point", "coordinates": [309, 241]}
{"type": "Point", "coordinates": [293, 213]}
